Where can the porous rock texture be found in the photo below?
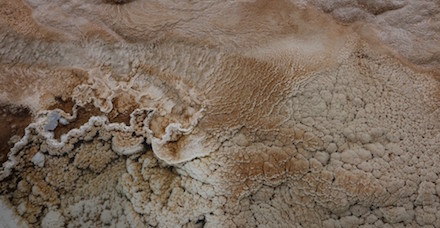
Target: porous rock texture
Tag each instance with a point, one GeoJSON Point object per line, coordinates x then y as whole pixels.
{"type": "Point", "coordinates": [220, 113]}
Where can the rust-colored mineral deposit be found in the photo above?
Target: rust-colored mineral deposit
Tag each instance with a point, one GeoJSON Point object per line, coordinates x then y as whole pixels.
{"type": "Point", "coordinates": [244, 113]}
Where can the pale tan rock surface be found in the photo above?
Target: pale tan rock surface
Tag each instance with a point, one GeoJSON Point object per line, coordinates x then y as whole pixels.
{"type": "Point", "coordinates": [220, 113]}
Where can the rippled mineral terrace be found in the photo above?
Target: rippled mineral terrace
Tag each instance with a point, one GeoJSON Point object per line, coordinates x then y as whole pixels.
{"type": "Point", "coordinates": [245, 113]}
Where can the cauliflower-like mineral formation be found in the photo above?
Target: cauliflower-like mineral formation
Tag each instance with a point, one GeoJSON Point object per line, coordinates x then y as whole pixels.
{"type": "Point", "coordinates": [219, 113]}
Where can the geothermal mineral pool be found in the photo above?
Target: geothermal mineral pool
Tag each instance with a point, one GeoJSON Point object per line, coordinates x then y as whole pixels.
{"type": "Point", "coordinates": [234, 113]}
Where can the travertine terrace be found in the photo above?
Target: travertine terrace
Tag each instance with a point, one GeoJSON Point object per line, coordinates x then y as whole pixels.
{"type": "Point", "coordinates": [307, 113]}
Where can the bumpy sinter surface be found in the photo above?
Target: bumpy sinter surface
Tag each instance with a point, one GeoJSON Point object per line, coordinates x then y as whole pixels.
{"type": "Point", "coordinates": [219, 113]}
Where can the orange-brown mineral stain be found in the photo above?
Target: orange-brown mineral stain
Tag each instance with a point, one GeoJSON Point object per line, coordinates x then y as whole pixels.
{"type": "Point", "coordinates": [120, 113]}
{"type": "Point", "coordinates": [124, 105]}
{"type": "Point", "coordinates": [83, 116]}
{"type": "Point", "coordinates": [13, 121]}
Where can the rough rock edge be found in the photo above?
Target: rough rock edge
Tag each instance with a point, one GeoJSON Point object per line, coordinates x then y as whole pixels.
{"type": "Point", "coordinates": [174, 132]}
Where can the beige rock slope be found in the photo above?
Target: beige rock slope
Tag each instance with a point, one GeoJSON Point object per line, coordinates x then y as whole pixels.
{"type": "Point", "coordinates": [220, 113]}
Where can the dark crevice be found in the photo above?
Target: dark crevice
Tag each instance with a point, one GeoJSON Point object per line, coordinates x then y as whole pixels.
{"type": "Point", "coordinates": [201, 222]}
